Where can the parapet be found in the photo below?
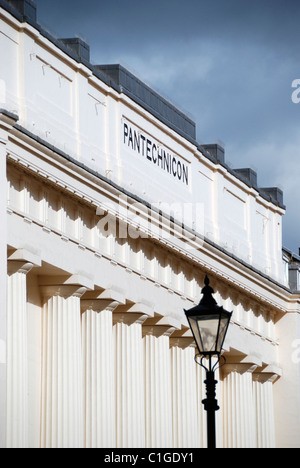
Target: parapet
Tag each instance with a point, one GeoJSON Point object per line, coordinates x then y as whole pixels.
{"type": "Point", "coordinates": [216, 151]}
{"type": "Point", "coordinates": [26, 8]}
{"type": "Point", "coordinates": [275, 195]}
{"type": "Point", "coordinates": [123, 81]}
{"type": "Point", "coordinates": [249, 175]}
{"type": "Point", "coordinates": [150, 99]}
{"type": "Point", "coordinates": [79, 47]}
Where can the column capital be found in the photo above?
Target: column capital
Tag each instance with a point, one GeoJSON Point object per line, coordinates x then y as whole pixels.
{"type": "Point", "coordinates": [129, 314]}
{"type": "Point", "coordinates": [268, 374]}
{"type": "Point", "coordinates": [14, 266]}
{"type": "Point", "coordinates": [22, 261]}
{"type": "Point", "coordinates": [241, 365]}
{"type": "Point", "coordinates": [98, 301]}
{"type": "Point", "coordinates": [159, 326]}
{"type": "Point", "coordinates": [64, 286]}
{"type": "Point", "coordinates": [182, 338]}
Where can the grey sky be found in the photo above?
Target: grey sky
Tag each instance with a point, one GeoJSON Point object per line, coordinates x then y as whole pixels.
{"type": "Point", "coordinates": [229, 64]}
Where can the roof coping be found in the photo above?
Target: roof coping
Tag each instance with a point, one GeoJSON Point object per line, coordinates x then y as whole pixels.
{"type": "Point", "coordinates": [275, 194]}
{"type": "Point", "coordinates": [150, 99]}
{"type": "Point", "coordinates": [216, 151]}
{"type": "Point", "coordinates": [249, 175]}
{"type": "Point", "coordinates": [27, 8]}
{"type": "Point", "coordinates": [77, 45]}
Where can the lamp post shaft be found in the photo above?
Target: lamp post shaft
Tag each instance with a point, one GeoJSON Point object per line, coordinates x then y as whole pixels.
{"type": "Point", "coordinates": [211, 406]}
{"type": "Point", "coordinates": [209, 323]}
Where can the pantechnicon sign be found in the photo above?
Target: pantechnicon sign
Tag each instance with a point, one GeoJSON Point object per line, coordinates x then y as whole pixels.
{"type": "Point", "coordinates": [154, 153]}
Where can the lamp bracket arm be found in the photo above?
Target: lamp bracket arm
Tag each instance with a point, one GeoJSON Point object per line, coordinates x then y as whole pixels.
{"type": "Point", "coordinates": [210, 368]}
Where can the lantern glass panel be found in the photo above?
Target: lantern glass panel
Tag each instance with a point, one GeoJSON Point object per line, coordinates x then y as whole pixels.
{"type": "Point", "coordinates": [205, 329]}
{"type": "Point", "coordinates": [224, 322]}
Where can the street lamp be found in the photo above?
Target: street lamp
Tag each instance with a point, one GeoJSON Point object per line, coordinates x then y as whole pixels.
{"type": "Point", "coordinates": [209, 323]}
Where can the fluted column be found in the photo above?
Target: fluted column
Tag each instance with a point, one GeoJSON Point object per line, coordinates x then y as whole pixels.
{"type": "Point", "coordinates": [17, 366]}
{"type": "Point", "coordinates": [158, 391]}
{"type": "Point", "coordinates": [184, 398]}
{"type": "Point", "coordinates": [99, 368]}
{"type": "Point", "coordinates": [264, 409]}
{"type": "Point", "coordinates": [62, 399]}
{"type": "Point", "coordinates": [7, 121]}
{"type": "Point", "coordinates": [238, 402]}
{"type": "Point", "coordinates": [129, 360]}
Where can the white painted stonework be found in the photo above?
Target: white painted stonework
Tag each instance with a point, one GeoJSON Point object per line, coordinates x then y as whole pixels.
{"type": "Point", "coordinates": [110, 219]}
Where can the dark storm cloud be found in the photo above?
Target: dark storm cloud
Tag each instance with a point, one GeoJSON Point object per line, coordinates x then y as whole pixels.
{"type": "Point", "coordinates": [268, 21]}
{"type": "Point", "coordinates": [228, 63]}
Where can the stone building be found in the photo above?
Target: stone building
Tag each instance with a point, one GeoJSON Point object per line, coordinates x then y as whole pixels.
{"type": "Point", "coordinates": [111, 215]}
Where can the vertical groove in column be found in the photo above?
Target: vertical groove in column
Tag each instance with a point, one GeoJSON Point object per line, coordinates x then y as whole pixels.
{"type": "Point", "coordinates": [130, 409]}
{"type": "Point", "coordinates": [226, 413]}
{"type": "Point", "coordinates": [184, 399]}
{"type": "Point", "coordinates": [17, 378]}
{"type": "Point", "coordinates": [98, 378]}
{"type": "Point", "coordinates": [158, 392]}
{"type": "Point", "coordinates": [238, 409]}
{"type": "Point", "coordinates": [264, 409]}
{"type": "Point", "coordinates": [271, 418]}
{"type": "Point", "coordinates": [258, 413]}
{"type": "Point", "coordinates": [239, 422]}
{"type": "Point", "coordinates": [176, 379]}
{"type": "Point", "coordinates": [61, 412]}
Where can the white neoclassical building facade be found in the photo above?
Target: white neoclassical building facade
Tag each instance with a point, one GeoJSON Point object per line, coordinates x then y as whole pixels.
{"type": "Point", "coordinates": [111, 215]}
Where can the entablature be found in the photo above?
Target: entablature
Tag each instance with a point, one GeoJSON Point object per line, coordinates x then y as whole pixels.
{"type": "Point", "coordinates": [64, 182]}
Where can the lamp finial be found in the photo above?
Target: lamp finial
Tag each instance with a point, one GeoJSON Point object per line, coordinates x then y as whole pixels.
{"type": "Point", "coordinates": [207, 292]}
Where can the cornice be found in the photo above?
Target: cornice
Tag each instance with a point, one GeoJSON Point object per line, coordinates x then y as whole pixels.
{"type": "Point", "coordinates": [7, 121]}
{"type": "Point", "coordinates": [213, 259]}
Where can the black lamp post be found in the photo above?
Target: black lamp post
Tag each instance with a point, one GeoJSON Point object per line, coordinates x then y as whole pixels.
{"type": "Point", "coordinates": [209, 323]}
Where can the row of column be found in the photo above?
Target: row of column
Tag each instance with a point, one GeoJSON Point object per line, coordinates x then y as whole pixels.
{"type": "Point", "coordinates": [248, 404]}
{"type": "Point", "coordinates": [110, 379]}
